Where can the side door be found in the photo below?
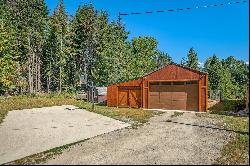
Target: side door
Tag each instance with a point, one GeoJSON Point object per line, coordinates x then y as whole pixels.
{"type": "Point", "coordinates": [123, 98]}
{"type": "Point", "coordinates": [135, 98]}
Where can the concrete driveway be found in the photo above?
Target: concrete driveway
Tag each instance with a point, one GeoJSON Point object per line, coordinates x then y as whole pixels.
{"type": "Point", "coordinates": [30, 131]}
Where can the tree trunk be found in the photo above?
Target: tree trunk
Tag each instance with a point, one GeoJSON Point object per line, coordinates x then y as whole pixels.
{"type": "Point", "coordinates": [60, 79]}
{"type": "Point", "coordinates": [30, 78]}
{"type": "Point", "coordinates": [60, 66]}
{"type": "Point", "coordinates": [39, 75]}
{"type": "Point", "coordinates": [48, 84]}
{"type": "Point", "coordinates": [33, 71]}
{"type": "Point", "coordinates": [36, 71]}
{"type": "Point", "coordinates": [30, 69]}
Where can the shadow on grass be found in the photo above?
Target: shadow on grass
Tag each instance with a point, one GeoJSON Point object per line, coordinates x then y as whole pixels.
{"type": "Point", "coordinates": [209, 127]}
{"type": "Point", "coordinates": [101, 104]}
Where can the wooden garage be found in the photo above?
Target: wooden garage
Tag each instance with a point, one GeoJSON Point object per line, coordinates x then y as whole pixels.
{"type": "Point", "coordinates": [171, 87]}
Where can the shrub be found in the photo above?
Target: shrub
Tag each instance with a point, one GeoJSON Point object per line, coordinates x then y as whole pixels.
{"type": "Point", "coordinates": [228, 105]}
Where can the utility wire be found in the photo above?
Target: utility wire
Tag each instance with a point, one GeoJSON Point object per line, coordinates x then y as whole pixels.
{"type": "Point", "coordinates": [181, 9]}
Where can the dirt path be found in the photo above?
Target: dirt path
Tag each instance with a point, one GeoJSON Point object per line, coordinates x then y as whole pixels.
{"type": "Point", "coordinates": [183, 140]}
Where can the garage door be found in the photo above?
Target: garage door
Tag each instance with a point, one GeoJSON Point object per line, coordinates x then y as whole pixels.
{"type": "Point", "coordinates": [174, 95]}
{"type": "Point", "coordinates": [129, 97]}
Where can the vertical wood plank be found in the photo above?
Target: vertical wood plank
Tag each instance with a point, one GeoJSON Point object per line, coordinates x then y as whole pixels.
{"type": "Point", "coordinates": [117, 96]}
{"type": "Point", "coordinates": [148, 82]}
{"type": "Point", "coordinates": [199, 94]}
{"type": "Point", "coordinates": [206, 92]}
{"type": "Point", "coordinates": [142, 93]}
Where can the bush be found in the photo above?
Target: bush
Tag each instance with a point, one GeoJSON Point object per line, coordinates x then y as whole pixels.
{"type": "Point", "coordinates": [228, 105]}
{"type": "Point", "coordinates": [234, 105]}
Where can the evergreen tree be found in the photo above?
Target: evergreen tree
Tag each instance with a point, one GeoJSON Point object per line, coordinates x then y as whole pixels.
{"type": "Point", "coordinates": [192, 61]}
{"type": "Point", "coordinates": [225, 84]}
{"type": "Point", "coordinates": [119, 66]}
{"type": "Point", "coordinates": [8, 52]}
{"type": "Point", "coordinates": [56, 49]}
{"type": "Point", "coordinates": [50, 54]}
{"type": "Point", "coordinates": [84, 27]}
{"type": "Point", "coordinates": [144, 50]}
{"type": "Point", "coordinates": [213, 66]}
{"type": "Point", "coordinates": [162, 59]}
{"type": "Point", "coordinates": [29, 18]}
{"type": "Point", "coordinates": [239, 72]}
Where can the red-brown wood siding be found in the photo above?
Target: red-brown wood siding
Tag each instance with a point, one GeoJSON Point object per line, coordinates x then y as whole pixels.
{"type": "Point", "coordinates": [173, 72]}
{"type": "Point", "coordinates": [168, 73]}
{"type": "Point", "coordinates": [112, 91]}
{"type": "Point", "coordinates": [112, 96]}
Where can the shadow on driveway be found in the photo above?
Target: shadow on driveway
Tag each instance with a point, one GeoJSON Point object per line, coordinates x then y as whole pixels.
{"type": "Point", "coordinates": [208, 127]}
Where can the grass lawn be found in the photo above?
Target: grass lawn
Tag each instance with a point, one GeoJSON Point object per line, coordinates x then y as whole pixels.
{"type": "Point", "coordinates": [236, 152]}
{"type": "Point", "coordinates": [136, 116]}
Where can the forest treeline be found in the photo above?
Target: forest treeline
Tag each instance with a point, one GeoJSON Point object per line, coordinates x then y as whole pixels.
{"type": "Point", "coordinates": [42, 52]}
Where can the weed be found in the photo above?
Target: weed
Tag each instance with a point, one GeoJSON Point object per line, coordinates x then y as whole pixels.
{"type": "Point", "coordinates": [176, 114]}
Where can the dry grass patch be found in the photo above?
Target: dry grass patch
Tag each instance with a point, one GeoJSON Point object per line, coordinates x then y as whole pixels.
{"type": "Point", "coordinates": [176, 114]}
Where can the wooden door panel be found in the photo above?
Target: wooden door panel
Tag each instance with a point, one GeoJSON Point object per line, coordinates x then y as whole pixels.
{"type": "Point", "coordinates": [153, 101]}
{"type": "Point", "coordinates": [174, 97]}
{"type": "Point", "coordinates": [192, 99]}
{"type": "Point", "coordinates": [135, 98]}
{"type": "Point", "coordinates": [179, 100]}
{"type": "Point", "coordinates": [166, 99]}
{"type": "Point", "coordinates": [123, 98]}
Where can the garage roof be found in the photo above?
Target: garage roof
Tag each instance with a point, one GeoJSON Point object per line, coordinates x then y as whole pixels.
{"type": "Point", "coordinates": [192, 70]}
{"type": "Point", "coordinates": [187, 68]}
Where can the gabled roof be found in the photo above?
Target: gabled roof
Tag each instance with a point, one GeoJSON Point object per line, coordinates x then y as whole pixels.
{"type": "Point", "coordinates": [187, 68]}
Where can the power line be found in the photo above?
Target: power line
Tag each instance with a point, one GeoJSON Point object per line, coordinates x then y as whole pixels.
{"type": "Point", "coordinates": [181, 9]}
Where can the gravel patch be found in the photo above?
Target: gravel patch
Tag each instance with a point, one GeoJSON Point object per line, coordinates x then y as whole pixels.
{"type": "Point", "coordinates": [184, 139]}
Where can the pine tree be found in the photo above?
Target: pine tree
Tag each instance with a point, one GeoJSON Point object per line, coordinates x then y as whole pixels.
{"type": "Point", "coordinates": [57, 49]}
{"type": "Point", "coordinates": [162, 59]}
{"type": "Point", "coordinates": [119, 66]}
{"type": "Point", "coordinates": [225, 84]}
{"type": "Point", "coordinates": [49, 66]}
{"type": "Point", "coordinates": [84, 40]}
{"type": "Point", "coordinates": [29, 19]}
{"type": "Point", "coordinates": [192, 61]}
{"type": "Point", "coordinates": [213, 66]}
{"type": "Point", "coordinates": [8, 52]}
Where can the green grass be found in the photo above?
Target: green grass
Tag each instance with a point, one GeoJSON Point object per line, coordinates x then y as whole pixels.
{"type": "Point", "coordinates": [176, 114]}
{"type": "Point", "coordinates": [223, 107]}
{"type": "Point", "coordinates": [136, 116]}
{"type": "Point", "coordinates": [236, 151]}
{"type": "Point", "coordinates": [25, 102]}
